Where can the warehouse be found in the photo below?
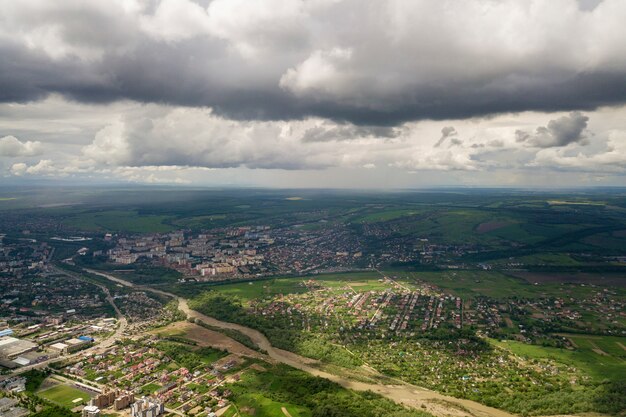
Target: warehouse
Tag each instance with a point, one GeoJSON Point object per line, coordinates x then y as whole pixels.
{"type": "Point", "coordinates": [10, 347]}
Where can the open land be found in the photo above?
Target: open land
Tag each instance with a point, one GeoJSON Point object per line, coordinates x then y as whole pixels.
{"type": "Point", "coordinates": [453, 304]}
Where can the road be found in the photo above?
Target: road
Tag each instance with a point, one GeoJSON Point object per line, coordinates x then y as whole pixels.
{"type": "Point", "coordinates": [99, 347]}
{"type": "Point", "coordinates": [122, 321]}
{"type": "Point", "coordinates": [402, 393]}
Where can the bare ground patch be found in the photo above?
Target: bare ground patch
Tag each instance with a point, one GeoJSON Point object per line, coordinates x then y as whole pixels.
{"type": "Point", "coordinates": [211, 338]}
{"type": "Point", "coordinates": [597, 349]}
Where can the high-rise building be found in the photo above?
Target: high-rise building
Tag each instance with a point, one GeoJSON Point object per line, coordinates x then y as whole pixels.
{"type": "Point", "coordinates": [146, 407]}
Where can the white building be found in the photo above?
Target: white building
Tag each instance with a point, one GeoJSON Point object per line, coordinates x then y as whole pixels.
{"type": "Point", "coordinates": [91, 411]}
{"type": "Point", "coordinates": [146, 408]}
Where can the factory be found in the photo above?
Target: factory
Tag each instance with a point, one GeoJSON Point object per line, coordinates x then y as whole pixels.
{"type": "Point", "coordinates": [72, 345]}
{"type": "Point", "coordinates": [11, 347]}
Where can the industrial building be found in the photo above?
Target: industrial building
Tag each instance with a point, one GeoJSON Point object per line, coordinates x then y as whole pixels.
{"type": "Point", "coordinates": [6, 332]}
{"type": "Point", "coordinates": [11, 347]}
{"type": "Point", "coordinates": [9, 408]}
{"type": "Point", "coordinates": [72, 345]}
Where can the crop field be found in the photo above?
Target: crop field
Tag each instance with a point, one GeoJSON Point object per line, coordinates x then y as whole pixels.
{"type": "Point", "coordinates": [64, 395]}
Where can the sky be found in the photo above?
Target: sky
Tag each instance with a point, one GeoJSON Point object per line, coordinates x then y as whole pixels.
{"type": "Point", "coordinates": [314, 93]}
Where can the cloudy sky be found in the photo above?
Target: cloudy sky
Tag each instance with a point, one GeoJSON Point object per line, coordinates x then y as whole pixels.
{"type": "Point", "coordinates": [315, 93]}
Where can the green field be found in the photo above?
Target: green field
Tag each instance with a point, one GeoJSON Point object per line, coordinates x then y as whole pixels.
{"type": "Point", "coordinates": [359, 281]}
{"type": "Point", "coordinates": [470, 284]}
{"type": "Point", "coordinates": [256, 405]}
{"type": "Point", "coordinates": [149, 389]}
{"type": "Point", "coordinates": [385, 216]}
{"type": "Point", "coordinates": [118, 220]}
{"type": "Point", "coordinates": [63, 395]}
{"type": "Point", "coordinates": [611, 364]}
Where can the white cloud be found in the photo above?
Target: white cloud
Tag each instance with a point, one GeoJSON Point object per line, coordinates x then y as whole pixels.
{"type": "Point", "coordinates": [169, 144]}
{"type": "Point", "coordinates": [10, 146]}
{"type": "Point", "coordinates": [324, 72]}
{"type": "Point", "coordinates": [175, 20]}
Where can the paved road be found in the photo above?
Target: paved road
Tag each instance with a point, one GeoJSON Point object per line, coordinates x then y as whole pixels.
{"type": "Point", "coordinates": [403, 393]}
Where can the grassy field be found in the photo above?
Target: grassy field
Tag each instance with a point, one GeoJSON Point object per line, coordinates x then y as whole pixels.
{"type": "Point", "coordinates": [257, 405]}
{"type": "Point", "coordinates": [198, 222]}
{"type": "Point", "coordinates": [63, 395]}
{"type": "Point", "coordinates": [469, 284]}
{"type": "Point", "coordinates": [359, 281]}
{"type": "Point", "coordinates": [600, 357]}
{"type": "Point", "coordinates": [149, 389]}
{"type": "Point", "coordinates": [494, 284]}
{"type": "Point", "coordinates": [385, 216]}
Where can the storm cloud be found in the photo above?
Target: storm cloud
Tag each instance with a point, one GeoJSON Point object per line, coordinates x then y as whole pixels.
{"type": "Point", "coordinates": [369, 63]}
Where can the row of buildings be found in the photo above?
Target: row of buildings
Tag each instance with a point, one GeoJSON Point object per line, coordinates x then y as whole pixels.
{"type": "Point", "coordinates": [144, 407]}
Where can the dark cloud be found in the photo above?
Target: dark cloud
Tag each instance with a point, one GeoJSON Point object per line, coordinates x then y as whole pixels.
{"type": "Point", "coordinates": [328, 132]}
{"type": "Point", "coordinates": [292, 69]}
{"type": "Point", "coordinates": [559, 132]}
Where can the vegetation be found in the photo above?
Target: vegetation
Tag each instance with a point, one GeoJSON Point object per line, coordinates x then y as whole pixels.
{"type": "Point", "coordinates": [279, 331]}
{"type": "Point", "coordinates": [263, 393]}
{"type": "Point", "coordinates": [187, 355]}
{"type": "Point", "coordinates": [34, 379]}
